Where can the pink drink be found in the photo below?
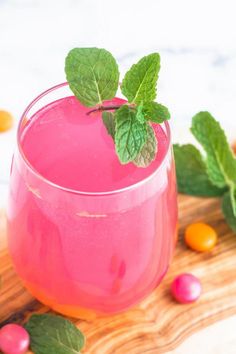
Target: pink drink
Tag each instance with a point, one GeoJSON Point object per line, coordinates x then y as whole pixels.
{"type": "Point", "coordinates": [85, 232]}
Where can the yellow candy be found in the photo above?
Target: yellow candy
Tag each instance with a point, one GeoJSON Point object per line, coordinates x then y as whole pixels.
{"type": "Point", "coordinates": [6, 121]}
{"type": "Point", "coordinates": [200, 237]}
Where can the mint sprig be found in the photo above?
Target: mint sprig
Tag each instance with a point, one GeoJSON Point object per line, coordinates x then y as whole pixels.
{"type": "Point", "coordinates": [93, 76]}
{"type": "Point", "coordinates": [54, 334]}
{"type": "Point", "coordinates": [214, 174]}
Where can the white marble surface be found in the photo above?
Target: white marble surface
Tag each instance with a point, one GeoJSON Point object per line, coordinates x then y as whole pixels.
{"type": "Point", "coordinates": [197, 43]}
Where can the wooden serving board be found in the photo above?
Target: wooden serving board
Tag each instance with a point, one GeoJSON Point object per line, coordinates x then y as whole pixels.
{"type": "Point", "coordinates": [158, 324]}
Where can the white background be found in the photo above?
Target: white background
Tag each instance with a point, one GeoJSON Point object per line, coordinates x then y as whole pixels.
{"type": "Point", "coordinates": [196, 40]}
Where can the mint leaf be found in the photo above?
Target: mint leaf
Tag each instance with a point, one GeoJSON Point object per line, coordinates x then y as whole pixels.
{"type": "Point", "coordinates": [155, 112]}
{"type": "Point", "coordinates": [191, 173]}
{"type": "Point", "coordinates": [92, 74]}
{"type": "Point", "coordinates": [130, 134]}
{"type": "Point", "coordinates": [221, 164]}
{"type": "Point", "coordinates": [228, 211]}
{"type": "Point", "coordinates": [139, 83]}
{"type": "Point", "coordinates": [110, 123]}
{"type": "Point", "coordinates": [148, 152]}
{"type": "Point", "coordinates": [54, 335]}
{"type": "Point", "coordinates": [139, 115]}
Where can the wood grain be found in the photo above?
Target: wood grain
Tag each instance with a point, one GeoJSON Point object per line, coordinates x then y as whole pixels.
{"type": "Point", "coordinates": [157, 324]}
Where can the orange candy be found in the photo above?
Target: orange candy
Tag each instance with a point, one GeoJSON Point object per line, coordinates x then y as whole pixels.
{"type": "Point", "coordinates": [6, 121]}
{"type": "Point", "coordinates": [200, 237]}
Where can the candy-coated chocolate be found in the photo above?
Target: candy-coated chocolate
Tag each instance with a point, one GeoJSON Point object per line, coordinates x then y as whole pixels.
{"type": "Point", "coordinates": [14, 339]}
{"type": "Point", "coordinates": [186, 288]}
{"type": "Point", "coordinates": [6, 121]}
{"type": "Point", "coordinates": [200, 237]}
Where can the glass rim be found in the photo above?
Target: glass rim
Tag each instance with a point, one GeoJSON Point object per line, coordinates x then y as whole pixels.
{"type": "Point", "coordinates": [33, 170]}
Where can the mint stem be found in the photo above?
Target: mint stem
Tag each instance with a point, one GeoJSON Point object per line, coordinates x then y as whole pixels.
{"type": "Point", "coordinates": [104, 108]}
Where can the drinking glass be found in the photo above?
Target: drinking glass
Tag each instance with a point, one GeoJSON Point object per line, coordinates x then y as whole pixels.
{"type": "Point", "coordinates": [86, 253]}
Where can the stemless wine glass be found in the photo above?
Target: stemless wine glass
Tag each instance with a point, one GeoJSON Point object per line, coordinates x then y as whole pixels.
{"type": "Point", "coordinates": [83, 253]}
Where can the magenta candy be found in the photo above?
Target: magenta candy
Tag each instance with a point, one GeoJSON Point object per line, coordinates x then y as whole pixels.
{"type": "Point", "coordinates": [14, 339]}
{"type": "Point", "coordinates": [186, 288]}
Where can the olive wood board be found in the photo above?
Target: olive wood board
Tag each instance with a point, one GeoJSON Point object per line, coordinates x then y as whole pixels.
{"type": "Point", "coordinates": [158, 324]}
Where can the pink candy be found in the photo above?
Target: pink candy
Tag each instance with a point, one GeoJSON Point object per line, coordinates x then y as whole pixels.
{"type": "Point", "coordinates": [14, 339]}
{"type": "Point", "coordinates": [186, 288]}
